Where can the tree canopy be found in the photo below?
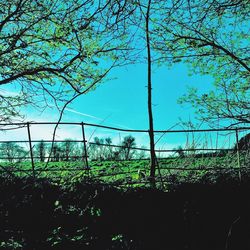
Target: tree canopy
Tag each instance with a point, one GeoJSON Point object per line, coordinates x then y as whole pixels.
{"type": "Point", "coordinates": [212, 37]}
{"type": "Point", "coordinates": [52, 48]}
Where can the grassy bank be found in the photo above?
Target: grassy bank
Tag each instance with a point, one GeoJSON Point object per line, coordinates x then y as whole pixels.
{"type": "Point", "coordinates": [81, 214]}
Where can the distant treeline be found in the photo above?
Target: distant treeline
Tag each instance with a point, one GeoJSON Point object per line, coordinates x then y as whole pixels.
{"type": "Point", "coordinates": [243, 145]}
{"type": "Point", "coordinates": [102, 149]}
{"type": "Point", "coordinates": [69, 150]}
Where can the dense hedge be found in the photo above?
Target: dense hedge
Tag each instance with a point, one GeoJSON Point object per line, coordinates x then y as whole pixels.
{"type": "Point", "coordinates": [44, 215]}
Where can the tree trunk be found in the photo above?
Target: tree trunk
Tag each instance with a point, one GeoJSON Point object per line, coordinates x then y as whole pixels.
{"type": "Point", "coordinates": [150, 112]}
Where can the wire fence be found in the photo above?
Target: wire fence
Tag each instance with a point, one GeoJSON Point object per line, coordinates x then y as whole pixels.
{"type": "Point", "coordinates": [180, 150]}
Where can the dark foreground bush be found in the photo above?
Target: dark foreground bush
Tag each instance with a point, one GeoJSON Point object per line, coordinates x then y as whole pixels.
{"type": "Point", "coordinates": [42, 215]}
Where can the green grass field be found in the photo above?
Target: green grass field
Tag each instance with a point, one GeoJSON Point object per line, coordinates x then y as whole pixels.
{"type": "Point", "coordinates": [133, 172]}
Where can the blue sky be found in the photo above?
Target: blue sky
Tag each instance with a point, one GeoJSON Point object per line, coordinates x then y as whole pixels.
{"type": "Point", "coordinates": [122, 101]}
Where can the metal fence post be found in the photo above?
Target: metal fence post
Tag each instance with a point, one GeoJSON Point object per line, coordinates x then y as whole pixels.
{"type": "Point", "coordinates": [85, 154]}
{"type": "Point", "coordinates": [238, 151]}
{"type": "Point", "coordinates": [31, 152]}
